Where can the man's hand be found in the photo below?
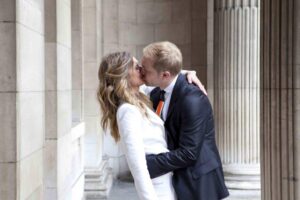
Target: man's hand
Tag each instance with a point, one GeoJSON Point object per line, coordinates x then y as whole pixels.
{"type": "Point", "coordinates": [192, 78]}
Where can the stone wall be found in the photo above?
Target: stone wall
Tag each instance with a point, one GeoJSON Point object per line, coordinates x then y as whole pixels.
{"type": "Point", "coordinates": [22, 97]}
{"type": "Point", "coordinates": [41, 150]}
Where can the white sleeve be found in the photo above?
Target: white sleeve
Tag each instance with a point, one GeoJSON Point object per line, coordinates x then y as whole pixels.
{"type": "Point", "coordinates": [146, 89]}
{"type": "Point", "coordinates": [129, 121]}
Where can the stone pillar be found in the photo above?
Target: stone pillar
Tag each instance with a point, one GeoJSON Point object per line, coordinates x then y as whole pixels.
{"type": "Point", "coordinates": [98, 175]}
{"type": "Point", "coordinates": [280, 48]}
{"type": "Point", "coordinates": [77, 61]}
{"type": "Point", "coordinates": [63, 174]}
{"type": "Point", "coordinates": [236, 94]}
{"type": "Point", "coordinates": [22, 110]}
{"type": "Point", "coordinates": [294, 182]}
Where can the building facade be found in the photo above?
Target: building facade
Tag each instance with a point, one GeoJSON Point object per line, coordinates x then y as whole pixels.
{"type": "Point", "coordinates": [246, 52]}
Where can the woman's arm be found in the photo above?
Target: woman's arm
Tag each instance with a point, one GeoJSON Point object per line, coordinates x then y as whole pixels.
{"type": "Point", "coordinates": [190, 76]}
{"type": "Point", "coordinates": [129, 121]}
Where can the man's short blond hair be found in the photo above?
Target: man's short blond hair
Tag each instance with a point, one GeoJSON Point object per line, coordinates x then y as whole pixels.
{"type": "Point", "coordinates": [165, 55]}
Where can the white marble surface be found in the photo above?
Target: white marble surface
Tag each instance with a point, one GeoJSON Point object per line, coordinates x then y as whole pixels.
{"type": "Point", "coordinates": [30, 170]}
{"type": "Point", "coordinates": [64, 113]}
{"type": "Point", "coordinates": [63, 23]}
{"type": "Point", "coordinates": [30, 13]}
{"type": "Point", "coordinates": [70, 162]}
{"type": "Point", "coordinates": [77, 101]}
{"type": "Point", "coordinates": [30, 59]}
{"type": "Point", "coordinates": [30, 123]}
{"type": "Point", "coordinates": [91, 105]}
{"type": "Point", "coordinates": [64, 70]}
{"type": "Point", "coordinates": [92, 142]}
{"type": "Point", "coordinates": [91, 81]}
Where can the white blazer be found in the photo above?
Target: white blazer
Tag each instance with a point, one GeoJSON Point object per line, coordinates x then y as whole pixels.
{"type": "Point", "coordinates": [141, 136]}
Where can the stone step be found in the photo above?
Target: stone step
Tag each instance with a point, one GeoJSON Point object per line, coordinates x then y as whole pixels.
{"type": "Point", "coordinates": [244, 195]}
{"type": "Point", "coordinates": [243, 178]}
{"type": "Point", "coordinates": [98, 182]}
{"type": "Point", "coordinates": [98, 194]}
{"type": "Point", "coordinates": [92, 172]}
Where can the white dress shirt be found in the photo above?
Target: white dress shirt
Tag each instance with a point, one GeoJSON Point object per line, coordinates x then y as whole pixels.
{"type": "Point", "coordinates": [141, 136]}
{"type": "Point", "coordinates": [147, 90]}
{"type": "Point", "coordinates": [168, 94]}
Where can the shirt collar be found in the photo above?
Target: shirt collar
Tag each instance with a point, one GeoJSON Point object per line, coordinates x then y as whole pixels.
{"type": "Point", "coordinates": [170, 87]}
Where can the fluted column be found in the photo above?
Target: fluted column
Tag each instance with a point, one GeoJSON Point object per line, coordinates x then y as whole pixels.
{"type": "Point", "coordinates": [280, 48]}
{"type": "Point", "coordinates": [236, 97]}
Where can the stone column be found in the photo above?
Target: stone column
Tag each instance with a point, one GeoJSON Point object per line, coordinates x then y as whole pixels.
{"type": "Point", "coordinates": [294, 182]}
{"type": "Point", "coordinates": [236, 94]}
{"type": "Point", "coordinates": [63, 174]}
{"type": "Point", "coordinates": [98, 174]}
{"type": "Point", "coordinates": [22, 97]}
{"type": "Point", "coordinates": [280, 75]}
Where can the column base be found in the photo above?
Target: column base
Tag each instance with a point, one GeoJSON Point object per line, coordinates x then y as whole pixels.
{"type": "Point", "coordinates": [98, 182]}
{"type": "Point", "coordinates": [242, 181]}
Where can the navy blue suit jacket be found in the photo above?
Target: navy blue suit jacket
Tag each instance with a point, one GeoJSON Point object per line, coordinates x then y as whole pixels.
{"type": "Point", "coordinates": [193, 156]}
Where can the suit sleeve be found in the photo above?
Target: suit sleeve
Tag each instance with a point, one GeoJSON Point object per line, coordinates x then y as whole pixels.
{"type": "Point", "coordinates": [130, 127]}
{"type": "Point", "coordinates": [195, 111]}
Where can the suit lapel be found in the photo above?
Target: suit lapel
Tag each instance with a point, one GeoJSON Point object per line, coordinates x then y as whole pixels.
{"type": "Point", "coordinates": [154, 96]}
{"type": "Point", "coordinates": [175, 94]}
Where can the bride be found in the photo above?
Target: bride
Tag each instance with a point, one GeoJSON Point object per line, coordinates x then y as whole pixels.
{"type": "Point", "coordinates": [128, 114]}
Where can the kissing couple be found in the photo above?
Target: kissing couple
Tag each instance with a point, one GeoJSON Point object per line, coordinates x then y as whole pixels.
{"type": "Point", "coordinates": [164, 121]}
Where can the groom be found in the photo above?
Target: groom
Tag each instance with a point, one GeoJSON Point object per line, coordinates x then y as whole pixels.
{"type": "Point", "coordinates": [189, 124]}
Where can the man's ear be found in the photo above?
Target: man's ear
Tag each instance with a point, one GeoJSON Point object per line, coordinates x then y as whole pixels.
{"type": "Point", "coordinates": [166, 74]}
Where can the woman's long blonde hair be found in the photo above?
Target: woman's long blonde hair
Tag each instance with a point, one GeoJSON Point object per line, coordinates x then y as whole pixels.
{"type": "Point", "coordinates": [114, 89]}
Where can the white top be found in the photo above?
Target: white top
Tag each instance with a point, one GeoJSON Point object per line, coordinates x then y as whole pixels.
{"type": "Point", "coordinates": [140, 136]}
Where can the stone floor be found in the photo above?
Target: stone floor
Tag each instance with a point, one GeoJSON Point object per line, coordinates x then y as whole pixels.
{"type": "Point", "coordinates": [123, 190]}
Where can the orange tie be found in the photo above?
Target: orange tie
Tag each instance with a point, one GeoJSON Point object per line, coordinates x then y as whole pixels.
{"type": "Point", "coordinates": [160, 103]}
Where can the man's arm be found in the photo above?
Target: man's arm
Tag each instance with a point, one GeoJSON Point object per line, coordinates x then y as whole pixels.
{"type": "Point", "coordinates": [191, 137]}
